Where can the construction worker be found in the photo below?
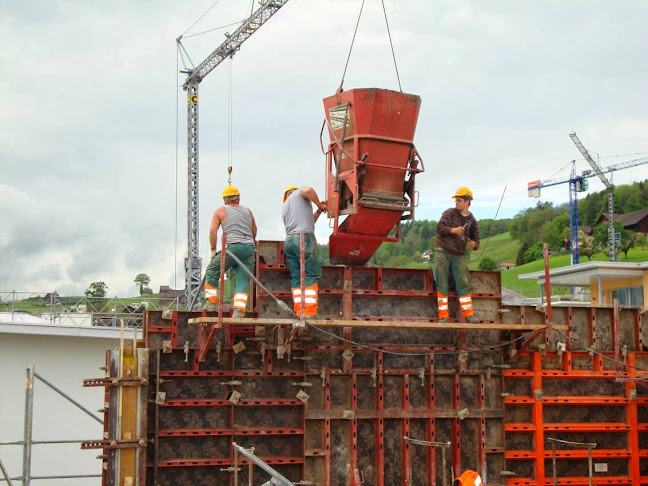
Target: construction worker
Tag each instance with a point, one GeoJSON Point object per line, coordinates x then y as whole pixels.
{"type": "Point", "coordinates": [240, 231]}
{"type": "Point", "coordinates": [299, 219]}
{"type": "Point", "coordinates": [468, 478]}
{"type": "Point", "coordinates": [457, 231]}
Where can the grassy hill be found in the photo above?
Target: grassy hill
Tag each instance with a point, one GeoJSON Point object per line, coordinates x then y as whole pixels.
{"type": "Point", "coordinates": [501, 248]}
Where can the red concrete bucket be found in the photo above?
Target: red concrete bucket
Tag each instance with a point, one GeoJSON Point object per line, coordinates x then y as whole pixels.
{"type": "Point", "coordinates": [371, 165]}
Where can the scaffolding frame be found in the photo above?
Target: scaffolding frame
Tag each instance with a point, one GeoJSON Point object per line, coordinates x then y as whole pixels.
{"type": "Point", "coordinates": [27, 443]}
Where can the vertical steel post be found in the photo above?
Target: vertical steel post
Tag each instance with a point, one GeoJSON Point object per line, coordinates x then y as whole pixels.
{"type": "Point", "coordinates": [302, 274]}
{"type": "Point", "coordinates": [29, 420]}
{"type": "Point", "coordinates": [236, 481]}
{"type": "Point", "coordinates": [553, 463]}
{"type": "Point", "coordinates": [589, 459]}
{"type": "Point", "coordinates": [221, 280]}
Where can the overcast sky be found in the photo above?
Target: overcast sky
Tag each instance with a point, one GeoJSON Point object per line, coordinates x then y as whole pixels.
{"type": "Point", "coordinates": [93, 184]}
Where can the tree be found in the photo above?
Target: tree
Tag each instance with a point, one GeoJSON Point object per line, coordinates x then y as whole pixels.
{"type": "Point", "coordinates": [556, 231]}
{"type": "Point", "coordinates": [630, 242]}
{"type": "Point", "coordinates": [96, 289]}
{"type": "Point", "coordinates": [533, 253]}
{"type": "Point", "coordinates": [601, 237]}
{"type": "Point", "coordinates": [587, 248]}
{"type": "Point", "coordinates": [487, 263]}
{"type": "Point", "coordinates": [142, 280]}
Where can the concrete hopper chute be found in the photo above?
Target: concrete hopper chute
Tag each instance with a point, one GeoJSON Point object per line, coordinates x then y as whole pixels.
{"type": "Point", "coordinates": [371, 167]}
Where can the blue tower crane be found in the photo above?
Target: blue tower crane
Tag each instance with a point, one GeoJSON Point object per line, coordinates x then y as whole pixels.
{"type": "Point", "coordinates": [577, 183]}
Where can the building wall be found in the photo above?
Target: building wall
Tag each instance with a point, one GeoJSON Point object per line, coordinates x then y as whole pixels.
{"type": "Point", "coordinates": [609, 285]}
{"type": "Point", "coordinates": [64, 361]}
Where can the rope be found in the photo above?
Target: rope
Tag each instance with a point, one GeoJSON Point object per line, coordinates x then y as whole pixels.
{"type": "Point", "coordinates": [431, 353]}
{"type": "Point", "coordinates": [590, 350]}
{"type": "Point", "coordinates": [490, 231]}
{"type": "Point", "coordinates": [285, 307]}
{"type": "Point", "coordinates": [351, 47]}
{"type": "Point", "coordinates": [392, 46]}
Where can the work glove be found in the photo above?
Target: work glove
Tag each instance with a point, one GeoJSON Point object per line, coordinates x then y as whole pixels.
{"type": "Point", "coordinates": [212, 254]}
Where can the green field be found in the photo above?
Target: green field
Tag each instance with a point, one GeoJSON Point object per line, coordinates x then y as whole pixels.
{"type": "Point", "coordinates": [530, 288]}
{"type": "Point", "coordinates": [501, 248]}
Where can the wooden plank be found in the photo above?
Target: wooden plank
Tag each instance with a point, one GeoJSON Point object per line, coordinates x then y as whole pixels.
{"type": "Point", "coordinates": [487, 326]}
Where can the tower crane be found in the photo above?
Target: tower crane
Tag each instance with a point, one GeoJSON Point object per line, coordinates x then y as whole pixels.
{"type": "Point", "coordinates": [579, 183]}
{"type": "Point", "coordinates": [610, 187]}
{"type": "Point", "coordinates": [193, 262]}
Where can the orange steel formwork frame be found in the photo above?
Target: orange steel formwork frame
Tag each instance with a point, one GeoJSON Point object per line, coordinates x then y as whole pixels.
{"type": "Point", "coordinates": [337, 407]}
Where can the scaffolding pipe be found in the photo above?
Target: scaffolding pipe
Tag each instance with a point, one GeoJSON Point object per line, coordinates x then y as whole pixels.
{"type": "Point", "coordinates": [282, 481]}
{"type": "Point", "coordinates": [5, 474]}
{"type": "Point", "coordinates": [67, 397]}
{"type": "Point", "coordinates": [29, 417]}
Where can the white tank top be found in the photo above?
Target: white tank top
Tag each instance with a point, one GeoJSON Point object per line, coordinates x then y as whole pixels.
{"type": "Point", "coordinates": [238, 225]}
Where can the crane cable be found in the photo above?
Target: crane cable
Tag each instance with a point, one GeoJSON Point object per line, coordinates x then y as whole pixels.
{"type": "Point", "coordinates": [229, 123]}
{"type": "Point", "coordinates": [355, 32]}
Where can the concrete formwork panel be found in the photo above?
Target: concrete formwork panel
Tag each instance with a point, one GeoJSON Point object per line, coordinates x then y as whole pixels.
{"type": "Point", "coordinates": [337, 404]}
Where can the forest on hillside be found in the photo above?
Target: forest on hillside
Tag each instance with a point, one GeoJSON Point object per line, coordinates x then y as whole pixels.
{"type": "Point", "coordinates": [544, 223]}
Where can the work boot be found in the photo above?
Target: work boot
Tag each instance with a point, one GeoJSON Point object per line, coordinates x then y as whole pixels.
{"type": "Point", "coordinates": [443, 320]}
{"type": "Point", "coordinates": [238, 313]}
{"type": "Point", "coordinates": [209, 306]}
{"type": "Point", "coordinates": [473, 320]}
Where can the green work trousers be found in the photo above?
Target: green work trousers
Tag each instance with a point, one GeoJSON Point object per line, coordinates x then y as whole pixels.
{"type": "Point", "coordinates": [444, 263]}
{"type": "Point", "coordinates": [245, 253]}
{"type": "Point", "coordinates": [312, 262]}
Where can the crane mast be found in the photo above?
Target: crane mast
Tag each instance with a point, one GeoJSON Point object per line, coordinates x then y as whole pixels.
{"type": "Point", "coordinates": [193, 262]}
{"type": "Point", "coordinates": [611, 250]}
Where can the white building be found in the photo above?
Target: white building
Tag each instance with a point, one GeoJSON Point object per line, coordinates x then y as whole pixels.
{"type": "Point", "coordinates": [64, 355]}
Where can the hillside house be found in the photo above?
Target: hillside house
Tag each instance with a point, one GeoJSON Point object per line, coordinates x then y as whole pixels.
{"type": "Point", "coordinates": [636, 221]}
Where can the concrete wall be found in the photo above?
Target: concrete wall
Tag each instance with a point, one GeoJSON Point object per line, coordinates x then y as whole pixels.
{"type": "Point", "coordinates": [64, 361]}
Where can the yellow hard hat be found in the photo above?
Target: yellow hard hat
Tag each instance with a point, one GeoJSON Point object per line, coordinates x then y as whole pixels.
{"type": "Point", "coordinates": [287, 190]}
{"type": "Point", "coordinates": [463, 192]}
{"type": "Point", "coordinates": [231, 190]}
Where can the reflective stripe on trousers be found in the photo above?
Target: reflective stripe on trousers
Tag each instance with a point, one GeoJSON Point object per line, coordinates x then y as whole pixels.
{"type": "Point", "coordinates": [309, 300]}
{"type": "Point", "coordinates": [442, 302]}
{"type": "Point", "coordinates": [211, 293]}
{"type": "Point", "coordinates": [465, 302]}
{"type": "Point", "coordinates": [240, 301]}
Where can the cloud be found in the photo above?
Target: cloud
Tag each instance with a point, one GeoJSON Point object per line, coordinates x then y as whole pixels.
{"type": "Point", "coordinates": [94, 186]}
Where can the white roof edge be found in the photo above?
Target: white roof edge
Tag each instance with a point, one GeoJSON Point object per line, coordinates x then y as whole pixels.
{"type": "Point", "coordinates": [584, 267]}
{"type": "Point", "coordinates": [58, 330]}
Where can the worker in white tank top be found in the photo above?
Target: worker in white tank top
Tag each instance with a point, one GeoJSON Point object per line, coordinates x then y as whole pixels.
{"type": "Point", "coordinates": [240, 231]}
